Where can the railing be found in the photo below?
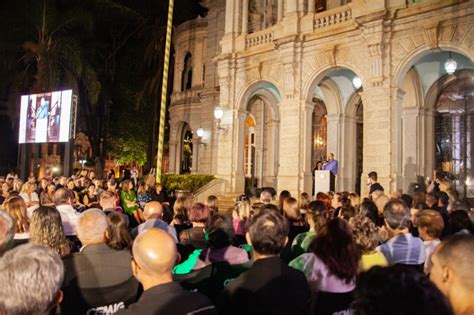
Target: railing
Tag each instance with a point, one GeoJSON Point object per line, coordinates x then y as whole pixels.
{"type": "Point", "coordinates": [188, 95]}
{"type": "Point", "coordinates": [332, 17]}
{"type": "Point", "coordinates": [259, 38]}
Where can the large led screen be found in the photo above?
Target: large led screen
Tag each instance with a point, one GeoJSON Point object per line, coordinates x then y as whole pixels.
{"type": "Point", "coordinates": [45, 117]}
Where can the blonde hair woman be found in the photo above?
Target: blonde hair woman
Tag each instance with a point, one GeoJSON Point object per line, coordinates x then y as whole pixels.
{"type": "Point", "coordinates": [46, 229]}
{"type": "Point", "coordinates": [365, 235]}
{"type": "Point", "coordinates": [30, 196]}
{"type": "Point", "coordinates": [240, 215]}
{"type": "Point", "coordinates": [16, 207]}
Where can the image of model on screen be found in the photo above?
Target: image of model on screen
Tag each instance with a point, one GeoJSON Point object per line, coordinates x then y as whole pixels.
{"type": "Point", "coordinates": [53, 124]}
{"type": "Point", "coordinates": [42, 120]}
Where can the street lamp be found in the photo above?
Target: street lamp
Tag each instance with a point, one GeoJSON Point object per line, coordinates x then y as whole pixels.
{"type": "Point", "coordinates": [218, 114]}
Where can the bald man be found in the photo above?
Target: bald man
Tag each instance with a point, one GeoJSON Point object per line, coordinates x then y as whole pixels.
{"type": "Point", "coordinates": [453, 274]}
{"type": "Point", "coordinates": [154, 255]}
{"type": "Point", "coordinates": [153, 214]}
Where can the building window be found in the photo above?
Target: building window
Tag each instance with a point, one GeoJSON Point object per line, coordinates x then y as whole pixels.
{"type": "Point", "coordinates": [187, 75]}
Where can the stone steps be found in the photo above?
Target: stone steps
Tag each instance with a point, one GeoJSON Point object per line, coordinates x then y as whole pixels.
{"type": "Point", "coordinates": [226, 203]}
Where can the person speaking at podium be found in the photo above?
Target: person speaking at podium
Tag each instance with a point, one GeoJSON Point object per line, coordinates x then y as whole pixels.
{"type": "Point", "coordinates": [331, 164]}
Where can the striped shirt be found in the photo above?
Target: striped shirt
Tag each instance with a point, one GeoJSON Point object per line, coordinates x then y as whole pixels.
{"type": "Point", "coordinates": [403, 249]}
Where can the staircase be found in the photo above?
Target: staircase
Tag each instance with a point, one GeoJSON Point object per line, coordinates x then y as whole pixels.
{"type": "Point", "coordinates": [226, 203]}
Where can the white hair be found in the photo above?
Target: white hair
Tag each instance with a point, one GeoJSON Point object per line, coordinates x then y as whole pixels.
{"type": "Point", "coordinates": [31, 276]}
{"type": "Point", "coordinates": [7, 231]}
{"type": "Point", "coordinates": [91, 226]}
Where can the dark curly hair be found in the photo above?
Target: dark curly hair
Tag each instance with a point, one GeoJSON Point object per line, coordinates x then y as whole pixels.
{"type": "Point", "coordinates": [397, 290]}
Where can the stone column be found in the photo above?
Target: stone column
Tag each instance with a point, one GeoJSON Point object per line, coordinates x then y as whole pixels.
{"type": "Point", "coordinates": [334, 142]}
{"type": "Point", "coordinates": [195, 163]}
{"type": "Point", "coordinates": [410, 158]}
{"type": "Point", "coordinates": [245, 16]}
{"type": "Point", "coordinates": [311, 6]}
{"type": "Point", "coordinates": [173, 169]}
{"type": "Point", "coordinates": [307, 149]}
{"type": "Point", "coordinates": [280, 10]}
{"type": "Point", "coordinates": [348, 155]}
{"type": "Point", "coordinates": [229, 16]}
{"type": "Point", "coordinates": [291, 6]}
{"type": "Point", "coordinates": [377, 135]}
{"type": "Point", "coordinates": [238, 151]}
{"type": "Point", "coordinates": [290, 155]}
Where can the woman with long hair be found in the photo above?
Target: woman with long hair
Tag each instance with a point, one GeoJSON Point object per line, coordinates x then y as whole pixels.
{"type": "Point", "coordinates": [71, 185]}
{"type": "Point", "coordinates": [316, 217]}
{"type": "Point", "coordinates": [291, 211]}
{"type": "Point", "coordinates": [117, 234]}
{"type": "Point", "coordinates": [198, 215]}
{"type": "Point", "coordinates": [143, 196]}
{"type": "Point", "coordinates": [46, 196]}
{"type": "Point", "coordinates": [46, 229]}
{"type": "Point", "coordinates": [333, 260]}
{"type": "Point", "coordinates": [180, 214]}
{"type": "Point", "coordinates": [240, 216]}
{"type": "Point", "coordinates": [304, 201]}
{"type": "Point", "coordinates": [90, 200]}
{"type": "Point", "coordinates": [16, 207]}
{"type": "Point", "coordinates": [4, 192]}
{"type": "Point", "coordinates": [212, 204]}
{"type": "Point", "coordinates": [281, 198]}
{"type": "Point", "coordinates": [30, 196]}
{"type": "Point", "coordinates": [129, 202]}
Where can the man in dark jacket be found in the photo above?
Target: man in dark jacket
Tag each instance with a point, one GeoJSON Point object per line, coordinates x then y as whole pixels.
{"type": "Point", "coordinates": [154, 255]}
{"type": "Point", "coordinates": [270, 286]}
{"type": "Point", "coordinates": [98, 278]}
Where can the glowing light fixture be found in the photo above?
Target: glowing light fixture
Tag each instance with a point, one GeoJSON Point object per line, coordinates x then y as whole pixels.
{"type": "Point", "coordinates": [218, 112]}
{"type": "Point", "coordinates": [200, 132]}
{"type": "Point", "coordinates": [357, 82]}
{"type": "Point", "coordinates": [450, 65]}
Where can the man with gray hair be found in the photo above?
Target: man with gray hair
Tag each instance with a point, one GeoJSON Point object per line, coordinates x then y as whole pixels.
{"type": "Point", "coordinates": [402, 247]}
{"type": "Point", "coordinates": [98, 278]}
{"type": "Point", "coordinates": [7, 231]}
{"type": "Point", "coordinates": [31, 277]}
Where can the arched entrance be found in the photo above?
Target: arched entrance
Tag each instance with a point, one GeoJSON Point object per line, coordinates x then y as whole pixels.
{"type": "Point", "coordinates": [186, 154]}
{"type": "Point", "coordinates": [319, 134]}
{"type": "Point", "coordinates": [433, 127]}
{"type": "Point", "coordinates": [337, 124]}
{"type": "Point", "coordinates": [260, 139]}
{"type": "Point", "coordinates": [454, 133]}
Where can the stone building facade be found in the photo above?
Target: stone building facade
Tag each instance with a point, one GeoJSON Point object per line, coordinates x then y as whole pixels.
{"type": "Point", "coordinates": [283, 73]}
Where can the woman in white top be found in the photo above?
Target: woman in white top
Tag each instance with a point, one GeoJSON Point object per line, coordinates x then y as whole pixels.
{"type": "Point", "coordinates": [30, 197]}
{"type": "Point", "coordinates": [430, 226]}
{"type": "Point", "coordinates": [16, 207]}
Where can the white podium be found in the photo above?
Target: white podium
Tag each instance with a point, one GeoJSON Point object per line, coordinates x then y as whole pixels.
{"type": "Point", "coordinates": [323, 181]}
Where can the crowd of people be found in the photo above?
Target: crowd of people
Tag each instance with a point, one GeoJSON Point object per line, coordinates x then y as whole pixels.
{"type": "Point", "coordinates": [82, 245]}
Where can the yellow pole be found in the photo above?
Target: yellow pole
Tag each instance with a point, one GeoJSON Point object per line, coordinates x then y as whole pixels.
{"type": "Point", "coordinates": [164, 88]}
